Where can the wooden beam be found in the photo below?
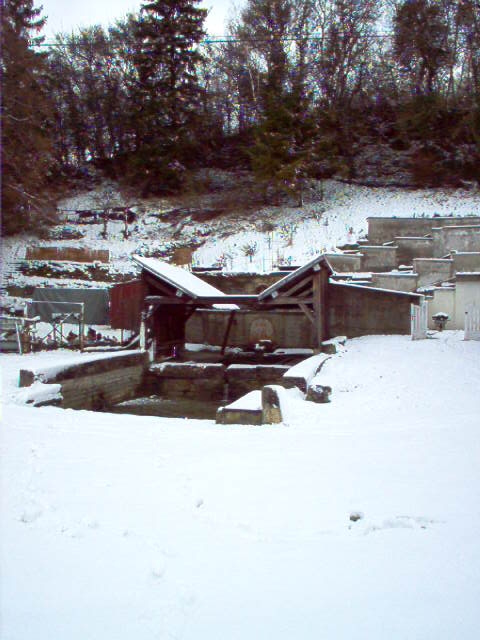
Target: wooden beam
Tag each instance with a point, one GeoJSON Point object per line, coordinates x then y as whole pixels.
{"type": "Point", "coordinates": [205, 300]}
{"type": "Point", "coordinates": [227, 331]}
{"type": "Point", "coordinates": [285, 300]}
{"type": "Point", "coordinates": [298, 286]}
{"type": "Point", "coordinates": [308, 313]}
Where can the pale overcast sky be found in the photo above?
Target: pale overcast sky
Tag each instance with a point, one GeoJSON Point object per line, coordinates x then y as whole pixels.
{"type": "Point", "coordinates": [65, 15]}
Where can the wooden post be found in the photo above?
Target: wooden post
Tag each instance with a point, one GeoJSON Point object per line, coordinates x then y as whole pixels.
{"type": "Point", "coordinates": [227, 332]}
{"type": "Point", "coordinates": [318, 307]}
{"type": "Point", "coordinates": [81, 326]}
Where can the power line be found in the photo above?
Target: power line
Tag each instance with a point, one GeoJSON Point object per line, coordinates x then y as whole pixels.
{"type": "Point", "coordinates": [225, 39]}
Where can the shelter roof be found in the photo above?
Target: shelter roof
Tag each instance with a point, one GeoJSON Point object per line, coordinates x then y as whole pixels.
{"type": "Point", "coordinates": [181, 279]}
{"type": "Point", "coordinates": [319, 262]}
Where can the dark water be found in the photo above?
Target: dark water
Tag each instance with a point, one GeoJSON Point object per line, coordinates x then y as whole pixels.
{"type": "Point", "coordinates": [169, 408]}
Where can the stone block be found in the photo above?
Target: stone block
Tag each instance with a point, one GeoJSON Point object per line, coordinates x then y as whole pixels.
{"type": "Point", "coordinates": [239, 416]}
{"type": "Point", "coordinates": [319, 393]}
{"type": "Point", "coordinates": [187, 370]}
{"type": "Point", "coordinates": [271, 410]}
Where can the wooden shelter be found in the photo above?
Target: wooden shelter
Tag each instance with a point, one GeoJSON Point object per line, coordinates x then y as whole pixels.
{"type": "Point", "coordinates": [172, 295]}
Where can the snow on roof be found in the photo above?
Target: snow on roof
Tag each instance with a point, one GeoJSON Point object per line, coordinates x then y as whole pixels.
{"type": "Point", "coordinates": [181, 279]}
{"type": "Point", "coordinates": [177, 277]}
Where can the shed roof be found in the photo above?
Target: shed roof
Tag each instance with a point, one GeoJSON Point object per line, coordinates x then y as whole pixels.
{"type": "Point", "coordinates": [318, 262]}
{"type": "Point", "coordinates": [181, 279]}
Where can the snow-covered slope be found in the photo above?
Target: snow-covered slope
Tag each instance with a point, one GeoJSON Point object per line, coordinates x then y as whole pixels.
{"type": "Point", "coordinates": [120, 527]}
{"type": "Point", "coordinates": [249, 241]}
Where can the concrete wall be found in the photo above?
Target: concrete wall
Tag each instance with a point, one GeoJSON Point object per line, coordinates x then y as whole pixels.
{"type": "Point", "coordinates": [362, 311]}
{"type": "Point", "coordinates": [395, 281]}
{"type": "Point", "coordinates": [382, 230]}
{"type": "Point", "coordinates": [467, 292]}
{"type": "Point", "coordinates": [455, 238]}
{"type": "Point", "coordinates": [410, 248]}
{"type": "Point", "coordinates": [463, 261]}
{"type": "Point", "coordinates": [443, 301]}
{"type": "Point", "coordinates": [92, 383]}
{"type": "Point", "coordinates": [345, 262]}
{"type": "Point", "coordinates": [379, 258]}
{"type": "Point", "coordinates": [432, 270]}
{"type": "Point", "coordinates": [289, 329]}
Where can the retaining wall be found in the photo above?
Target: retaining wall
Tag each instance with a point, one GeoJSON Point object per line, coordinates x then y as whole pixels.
{"type": "Point", "coordinates": [379, 258]}
{"type": "Point", "coordinates": [466, 261]}
{"type": "Point", "coordinates": [410, 248]}
{"type": "Point", "coordinates": [456, 238]}
{"type": "Point", "coordinates": [210, 381]}
{"type": "Point", "coordinates": [345, 262]}
{"type": "Point", "coordinates": [181, 380]}
{"type": "Point", "coordinates": [395, 281]}
{"type": "Point", "coordinates": [94, 382]}
{"type": "Point", "coordinates": [382, 230]}
{"type": "Point", "coordinates": [72, 254]}
{"type": "Point", "coordinates": [432, 270]}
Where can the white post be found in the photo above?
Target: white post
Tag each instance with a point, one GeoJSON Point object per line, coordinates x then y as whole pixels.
{"type": "Point", "coordinates": [143, 332]}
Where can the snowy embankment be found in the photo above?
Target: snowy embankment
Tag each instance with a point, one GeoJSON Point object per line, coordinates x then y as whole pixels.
{"type": "Point", "coordinates": [273, 235]}
{"type": "Point", "coordinates": [117, 527]}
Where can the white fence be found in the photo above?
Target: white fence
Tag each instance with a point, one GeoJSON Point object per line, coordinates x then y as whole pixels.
{"type": "Point", "coordinates": [419, 320]}
{"type": "Point", "coordinates": [472, 322]}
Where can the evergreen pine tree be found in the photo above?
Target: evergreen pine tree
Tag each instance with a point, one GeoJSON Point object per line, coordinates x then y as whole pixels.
{"type": "Point", "coordinates": [26, 147]}
{"type": "Point", "coordinates": [168, 91]}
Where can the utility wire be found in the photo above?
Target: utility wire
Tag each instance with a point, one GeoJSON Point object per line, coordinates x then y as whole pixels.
{"type": "Point", "coordinates": [227, 39]}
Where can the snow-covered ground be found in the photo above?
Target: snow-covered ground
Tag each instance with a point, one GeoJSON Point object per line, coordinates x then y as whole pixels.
{"type": "Point", "coordinates": [358, 519]}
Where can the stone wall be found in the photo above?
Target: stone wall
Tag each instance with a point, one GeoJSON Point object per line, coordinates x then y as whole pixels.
{"type": "Point", "coordinates": [72, 254]}
{"type": "Point", "coordinates": [93, 383]}
{"type": "Point", "coordinates": [432, 270]}
{"type": "Point", "coordinates": [210, 381]}
{"type": "Point", "coordinates": [181, 380]}
{"type": "Point", "coordinates": [244, 378]}
{"type": "Point", "coordinates": [382, 230]}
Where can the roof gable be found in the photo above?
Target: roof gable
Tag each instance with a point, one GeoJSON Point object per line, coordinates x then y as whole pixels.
{"type": "Point", "coordinates": [318, 263]}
